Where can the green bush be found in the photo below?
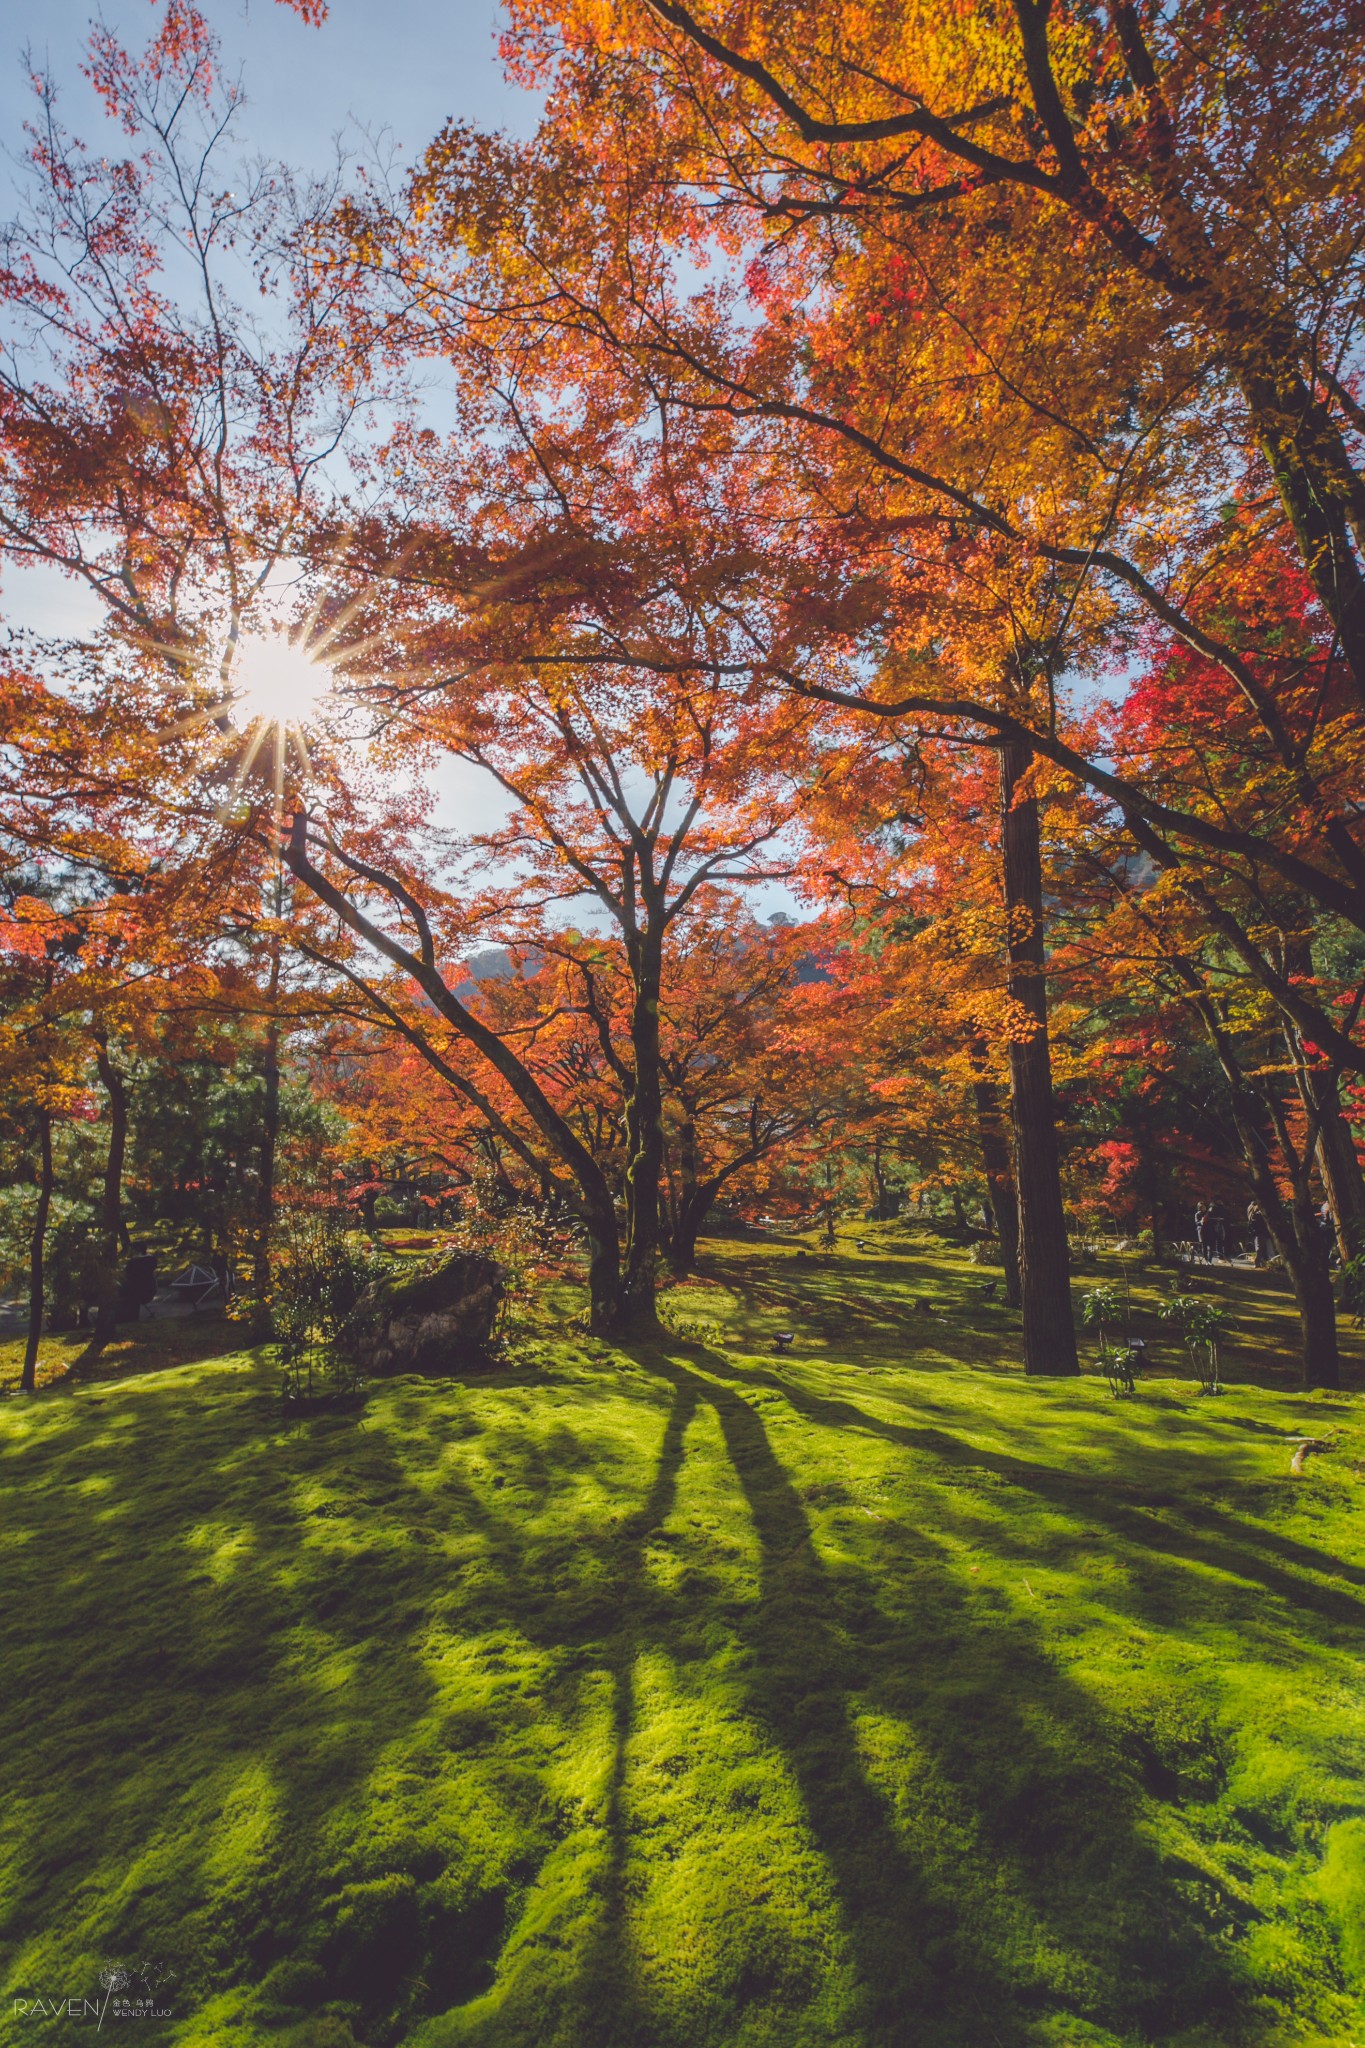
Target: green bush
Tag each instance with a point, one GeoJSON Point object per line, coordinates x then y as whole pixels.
{"type": "Point", "coordinates": [1101, 1309]}
{"type": "Point", "coordinates": [1201, 1323]}
{"type": "Point", "coordinates": [322, 1277]}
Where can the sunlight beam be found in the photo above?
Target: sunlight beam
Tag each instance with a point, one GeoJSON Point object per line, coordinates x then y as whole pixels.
{"type": "Point", "coordinates": [277, 682]}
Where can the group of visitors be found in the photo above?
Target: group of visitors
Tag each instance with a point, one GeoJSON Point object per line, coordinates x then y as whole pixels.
{"type": "Point", "coordinates": [1211, 1231]}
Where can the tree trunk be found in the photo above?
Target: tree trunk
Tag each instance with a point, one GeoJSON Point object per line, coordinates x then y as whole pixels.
{"type": "Point", "coordinates": [1297, 1236]}
{"type": "Point", "coordinates": [1317, 482]}
{"type": "Point", "coordinates": [1158, 1233]}
{"type": "Point", "coordinates": [1311, 1275]}
{"type": "Point", "coordinates": [683, 1250]}
{"type": "Point", "coordinates": [688, 1214]}
{"type": "Point", "coordinates": [1320, 1093]}
{"type": "Point", "coordinates": [37, 1246]}
{"type": "Point", "coordinates": [644, 1122]}
{"type": "Point", "coordinates": [830, 1236]}
{"type": "Point", "coordinates": [995, 1160]}
{"type": "Point", "coordinates": [270, 1121]}
{"type": "Point", "coordinates": [878, 1181]}
{"type": "Point", "coordinates": [607, 1313]}
{"type": "Point", "coordinates": [265, 1191]}
{"type": "Point", "coordinates": [1044, 1262]}
{"type": "Point", "coordinates": [1340, 1166]}
{"type": "Point", "coordinates": [595, 1203]}
{"type": "Point", "coordinates": [1303, 1247]}
{"type": "Point", "coordinates": [111, 1201]}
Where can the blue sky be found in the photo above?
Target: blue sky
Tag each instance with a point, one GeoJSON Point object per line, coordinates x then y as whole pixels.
{"type": "Point", "coordinates": [401, 66]}
{"type": "Point", "coordinates": [407, 65]}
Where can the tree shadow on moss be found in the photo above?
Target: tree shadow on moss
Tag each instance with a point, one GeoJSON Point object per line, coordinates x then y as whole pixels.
{"type": "Point", "coordinates": [230, 1646]}
{"type": "Point", "coordinates": [610, 1988]}
{"type": "Point", "coordinates": [1048, 1800]}
{"type": "Point", "coordinates": [210, 1679]}
{"type": "Point", "coordinates": [1136, 1515]}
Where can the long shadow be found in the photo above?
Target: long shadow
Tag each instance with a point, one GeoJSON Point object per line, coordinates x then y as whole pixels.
{"type": "Point", "coordinates": [609, 1978]}
{"type": "Point", "coordinates": [208, 1666]}
{"type": "Point", "coordinates": [818, 1642]}
{"type": "Point", "coordinates": [831, 1300]}
{"type": "Point", "coordinates": [156, 1634]}
{"type": "Point", "coordinates": [134, 1350]}
{"type": "Point", "coordinates": [1226, 1542]}
{"type": "Point", "coordinates": [899, 1934]}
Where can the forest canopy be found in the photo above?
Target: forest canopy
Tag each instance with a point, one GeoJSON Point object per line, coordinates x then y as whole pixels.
{"type": "Point", "coordinates": [869, 645]}
{"type": "Point", "coordinates": [682, 1024]}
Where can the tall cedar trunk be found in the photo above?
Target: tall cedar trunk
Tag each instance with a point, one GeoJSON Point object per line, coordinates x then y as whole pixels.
{"type": "Point", "coordinates": [1341, 1174]}
{"type": "Point", "coordinates": [265, 1186]}
{"type": "Point", "coordinates": [1044, 1263]}
{"type": "Point", "coordinates": [1297, 1237]}
{"type": "Point", "coordinates": [644, 1140]}
{"type": "Point", "coordinates": [111, 1200]}
{"type": "Point", "coordinates": [37, 1247]}
{"type": "Point", "coordinates": [270, 1123]}
{"type": "Point", "coordinates": [995, 1160]}
{"type": "Point", "coordinates": [682, 1238]}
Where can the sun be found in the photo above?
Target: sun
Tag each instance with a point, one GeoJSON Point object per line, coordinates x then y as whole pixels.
{"type": "Point", "coordinates": [278, 683]}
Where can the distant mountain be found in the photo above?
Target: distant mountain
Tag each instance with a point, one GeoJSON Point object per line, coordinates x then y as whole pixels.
{"type": "Point", "coordinates": [490, 963]}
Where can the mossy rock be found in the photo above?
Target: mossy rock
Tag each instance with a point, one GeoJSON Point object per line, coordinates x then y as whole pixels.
{"type": "Point", "coordinates": [437, 1319]}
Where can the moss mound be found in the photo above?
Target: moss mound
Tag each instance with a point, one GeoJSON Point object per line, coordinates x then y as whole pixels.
{"type": "Point", "coordinates": [692, 1697]}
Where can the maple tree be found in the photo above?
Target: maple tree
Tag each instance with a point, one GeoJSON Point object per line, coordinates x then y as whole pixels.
{"type": "Point", "coordinates": [161, 446]}
{"type": "Point", "coordinates": [638, 804]}
{"type": "Point", "coordinates": [760, 1048]}
{"type": "Point", "coordinates": [869, 268]}
{"type": "Point", "coordinates": [746, 1069]}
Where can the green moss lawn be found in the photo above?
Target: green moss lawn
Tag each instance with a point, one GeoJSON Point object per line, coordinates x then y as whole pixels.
{"type": "Point", "coordinates": [692, 1696]}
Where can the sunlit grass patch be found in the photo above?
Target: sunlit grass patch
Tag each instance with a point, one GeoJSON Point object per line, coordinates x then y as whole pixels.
{"type": "Point", "coordinates": [696, 1694]}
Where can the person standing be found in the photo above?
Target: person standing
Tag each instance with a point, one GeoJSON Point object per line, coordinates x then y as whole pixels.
{"type": "Point", "coordinates": [1216, 1227]}
{"type": "Point", "coordinates": [1327, 1227]}
{"type": "Point", "coordinates": [1201, 1231]}
{"type": "Point", "coordinates": [1260, 1233]}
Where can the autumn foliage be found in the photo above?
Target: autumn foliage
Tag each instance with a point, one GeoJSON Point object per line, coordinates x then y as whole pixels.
{"type": "Point", "coordinates": [855, 699]}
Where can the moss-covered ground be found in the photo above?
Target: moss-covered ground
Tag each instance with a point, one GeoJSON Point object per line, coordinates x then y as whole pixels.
{"type": "Point", "coordinates": [691, 1695]}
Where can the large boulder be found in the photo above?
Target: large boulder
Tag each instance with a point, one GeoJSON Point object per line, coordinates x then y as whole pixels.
{"type": "Point", "coordinates": [438, 1320]}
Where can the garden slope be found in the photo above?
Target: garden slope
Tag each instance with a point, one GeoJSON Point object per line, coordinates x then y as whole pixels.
{"type": "Point", "coordinates": [690, 1697]}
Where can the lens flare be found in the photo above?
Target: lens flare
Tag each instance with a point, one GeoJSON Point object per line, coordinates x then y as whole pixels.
{"type": "Point", "coordinates": [278, 683]}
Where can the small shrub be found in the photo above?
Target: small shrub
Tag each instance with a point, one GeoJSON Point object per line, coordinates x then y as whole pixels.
{"type": "Point", "coordinates": [1201, 1324]}
{"type": "Point", "coordinates": [1102, 1308]}
{"type": "Point", "coordinates": [318, 1314]}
